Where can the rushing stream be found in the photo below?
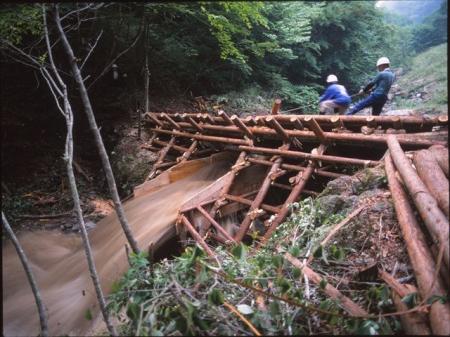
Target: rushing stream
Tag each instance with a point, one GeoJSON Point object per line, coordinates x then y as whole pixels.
{"type": "Point", "coordinates": [60, 267]}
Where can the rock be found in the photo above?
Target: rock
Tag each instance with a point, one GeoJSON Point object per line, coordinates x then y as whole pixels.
{"type": "Point", "coordinates": [331, 204]}
{"type": "Point", "coordinates": [341, 185]}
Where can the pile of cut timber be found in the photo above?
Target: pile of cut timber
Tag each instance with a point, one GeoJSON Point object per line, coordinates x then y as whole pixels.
{"type": "Point", "coordinates": [425, 182]}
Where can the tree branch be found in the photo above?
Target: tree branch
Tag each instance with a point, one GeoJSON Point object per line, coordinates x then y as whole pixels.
{"type": "Point", "coordinates": [106, 69]}
{"type": "Point", "coordinates": [91, 50]}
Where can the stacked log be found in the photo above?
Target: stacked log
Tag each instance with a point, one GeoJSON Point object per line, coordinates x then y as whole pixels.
{"type": "Point", "coordinates": [421, 258]}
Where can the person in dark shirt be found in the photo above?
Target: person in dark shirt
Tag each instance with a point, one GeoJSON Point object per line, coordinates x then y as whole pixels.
{"type": "Point", "coordinates": [380, 86]}
{"type": "Point", "coordinates": [334, 98]}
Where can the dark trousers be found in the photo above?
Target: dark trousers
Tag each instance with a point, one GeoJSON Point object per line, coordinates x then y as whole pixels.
{"type": "Point", "coordinates": [375, 101]}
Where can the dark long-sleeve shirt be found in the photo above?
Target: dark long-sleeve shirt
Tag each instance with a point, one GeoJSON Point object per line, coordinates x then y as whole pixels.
{"type": "Point", "coordinates": [382, 82]}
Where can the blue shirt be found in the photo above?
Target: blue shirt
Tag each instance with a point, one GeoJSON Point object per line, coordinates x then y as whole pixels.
{"type": "Point", "coordinates": [382, 82]}
{"type": "Point", "coordinates": [337, 93]}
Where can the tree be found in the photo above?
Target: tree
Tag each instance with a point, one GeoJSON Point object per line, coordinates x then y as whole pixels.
{"type": "Point", "coordinates": [26, 265]}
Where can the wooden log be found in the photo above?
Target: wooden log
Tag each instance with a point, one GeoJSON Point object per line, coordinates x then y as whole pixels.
{"type": "Point", "coordinates": [298, 154]}
{"type": "Point", "coordinates": [441, 155]}
{"type": "Point", "coordinates": [174, 146]}
{"type": "Point", "coordinates": [248, 202]}
{"type": "Point", "coordinates": [419, 254]}
{"type": "Point", "coordinates": [296, 123]}
{"type": "Point", "coordinates": [162, 155]}
{"type": "Point", "coordinates": [185, 156]}
{"type": "Point", "coordinates": [256, 203]}
{"type": "Point", "coordinates": [171, 121]}
{"type": "Point", "coordinates": [153, 119]}
{"type": "Point", "coordinates": [225, 117]}
{"type": "Point", "coordinates": [276, 107]}
{"type": "Point", "coordinates": [239, 165]}
{"type": "Point", "coordinates": [434, 178]}
{"type": "Point", "coordinates": [301, 180]}
{"type": "Point", "coordinates": [414, 323]}
{"type": "Point", "coordinates": [412, 141]}
{"type": "Point", "coordinates": [195, 235]}
{"type": "Point", "coordinates": [196, 126]}
{"type": "Point", "coordinates": [435, 220]}
{"type": "Point", "coordinates": [278, 128]}
{"type": "Point", "coordinates": [216, 225]}
{"type": "Point", "coordinates": [238, 122]}
{"type": "Point", "coordinates": [315, 127]}
{"type": "Point", "coordinates": [347, 304]}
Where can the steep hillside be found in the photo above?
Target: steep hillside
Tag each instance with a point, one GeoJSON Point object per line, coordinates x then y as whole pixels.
{"type": "Point", "coordinates": [424, 86]}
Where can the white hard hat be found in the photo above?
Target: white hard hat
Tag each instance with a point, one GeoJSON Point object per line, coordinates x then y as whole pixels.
{"type": "Point", "coordinates": [332, 78]}
{"type": "Point", "coordinates": [382, 60]}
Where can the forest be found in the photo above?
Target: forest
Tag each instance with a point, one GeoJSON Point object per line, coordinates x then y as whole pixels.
{"type": "Point", "coordinates": [124, 123]}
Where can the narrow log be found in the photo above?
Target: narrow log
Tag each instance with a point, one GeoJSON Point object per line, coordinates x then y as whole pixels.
{"type": "Point", "coordinates": [186, 155]}
{"type": "Point", "coordinates": [434, 178]}
{"type": "Point", "coordinates": [315, 127]}
{"type": "Point", "coordinates": [216, 225]}
{"type": "Point", "coordinates": [278, 128]}
{"type": "Point", "coordinates": [414, 323]}
{"type": "Point", "coordinates": [301, 180]}
{"type": "Point", "coordinates": [162, 155]}
{"type": "Point", "coordinates": [225, 117]}
{"type": "Point", "coordinates": [276, 107]}
{"type": "Point", "coordinates": [248, 202]}
{"type": "Point", "coordinates": [304, 155]}
{"type": "Point", "coordinates": [196, 236]}
{"type": "Point", "coordinates": [434, 218]}
{"type": "Point", "coordinates": [153, 119]}
{"type": "Point", "coordinates": [419, 254]}
{"type": "Point", "coordinates": [239, 165]}
{"type": "Point", "coordinates": [171, 121]}
{"type": "Point", "coordinates": [238, 122]}
{"type": "Point", "coordinates": [258, 200]}
{"type": "Point", "coordinates": [296, 123]}
{"type": "Point", "coordinates": [174, 146]}
{"type": "Point", "coordinates": [441, 155]}
{"type": "Point", "coordinates": [197, 126]}
{"type": "Point", "coordinates": [347, 304]}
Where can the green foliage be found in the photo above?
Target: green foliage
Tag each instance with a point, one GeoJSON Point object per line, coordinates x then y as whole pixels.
{"type": "Point", "coordinates": [433, 30]}
{"type": "Point", "coordinates": [19, 21]}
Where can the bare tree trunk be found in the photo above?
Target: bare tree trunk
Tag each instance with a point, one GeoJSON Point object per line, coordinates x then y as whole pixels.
{"type": "Point", "coordinates": [26, 265]}
{"type": "Point", "coordinates": [68, 158]}
{"type": "Point", "coordinates": [97, 136]}
{"type": "Point", "coordinates": [147, 71]}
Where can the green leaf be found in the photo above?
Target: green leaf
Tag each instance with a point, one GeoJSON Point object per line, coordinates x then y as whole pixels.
{"type": "Point", "coordinates": [295, 251]}
{"type": "Point", "coordinates": [296, 272]}
{"type": "Point", "coordinates": [322, 284]}
{"type": "Point", "coordinates": [239, 251]}
{"type": "Point", "coordinates": [215, 297]}
{"type": "Point", "coordinates": [88, 314]}
{"type": "Point", "coordinates": [410, 300]}
{"type": "Point", "coordinates": [274, 308]}
{"type": "Point", "coordinates": [133, 310]}
{"type": "Point", "coordinates": [434, 298]}
{"type": "Point", "coordinates": [277, 261]}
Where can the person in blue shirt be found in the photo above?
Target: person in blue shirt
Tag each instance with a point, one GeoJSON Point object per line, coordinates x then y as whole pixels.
{"type": "Point", "coordinates": [335, 98]}
{"type": "Point", "coordinates": [380, 86]}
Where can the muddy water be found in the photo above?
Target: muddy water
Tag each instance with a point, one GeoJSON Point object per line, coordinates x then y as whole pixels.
{"type": "Point", "coordinates": [60, 266]}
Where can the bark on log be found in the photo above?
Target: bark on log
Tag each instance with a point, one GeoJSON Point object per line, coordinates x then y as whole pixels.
{"type": "Point", "coordinates": [347, 304]}
{"type": "Point", "coordinates": [441, 154]}
{"type": "Point", "coordinates": [435, 220]}
{"type": "Point", "coordinates": [434, 178]}
{"type": "Point", "coordinates": [419, 254]}
{"type": "Point", "coordinates": [414, 323]}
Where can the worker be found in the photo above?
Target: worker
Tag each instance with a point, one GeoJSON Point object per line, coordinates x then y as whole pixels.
{"type": "Point", "coordinates": [335, 98]}
{"type": "Point", "coordinates": [380, 86]}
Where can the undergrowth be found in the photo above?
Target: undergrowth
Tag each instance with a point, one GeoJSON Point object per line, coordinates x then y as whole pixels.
{"type": "Point", "coordinates": [191, 294]}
